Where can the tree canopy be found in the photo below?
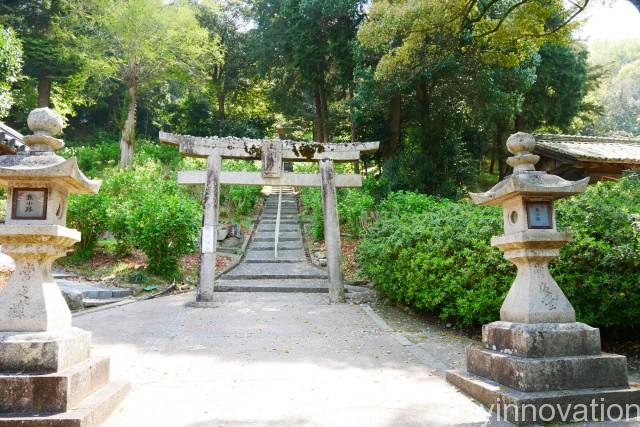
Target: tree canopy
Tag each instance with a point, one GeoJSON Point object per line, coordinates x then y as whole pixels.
{"type": "Point", "coordinates": [441, 83]}
{"type": "Point", "coordinates": [10, 65]}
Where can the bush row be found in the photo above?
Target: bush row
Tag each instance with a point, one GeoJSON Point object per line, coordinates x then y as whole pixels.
{"type": "Point", "coordinates": [144, 207]}
{"type": "Point", "coordinates": [434, 255]}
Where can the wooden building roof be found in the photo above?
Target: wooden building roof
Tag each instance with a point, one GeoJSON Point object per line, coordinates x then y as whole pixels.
{"type": "Point", "coordinates": [11, 141]}
{"type": "Point", "coordinates": [576, 156]}
{"type": "Point", "coordinates": [590, 148]}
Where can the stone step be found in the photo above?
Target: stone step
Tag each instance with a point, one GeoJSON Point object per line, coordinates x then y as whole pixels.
{"type": "Point", "coordinates": [91, 412]}
{"type": "Point", "coordinates": [282, 222]}
{"type": "Point", "coordinates": [269, 247]}
{"type": "Point", "coordinates": [55, 392]}
{"type": "Point", "coordinates": [89, 290]}
{"type": "Point", "coordinates": [272, 219]}
{"type": "Point", "coordinates": [301, 270]}
{"type": "Point", "coordinates": [275, 261]}
{"type": "Point", "coordinates": [273, 285]}
{"type": "Point", "coordinates": [283, 212]}
{"type": "Point", "coordinates": [282, 235]}
{"type": "Point", "coordinates": [281, 239]}
{"type": "Point", "coordinates": [295, 255]}
{"type": "Point", "coordinates": [284, 228]}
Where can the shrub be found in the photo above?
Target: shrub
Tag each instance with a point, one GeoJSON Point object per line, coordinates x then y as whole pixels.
{"type": "Point", "coordinates": [355, 207]}
{"type": "Point", "coordinates": [239, 199]}
{"type": "Point", "coordinates": [435, 255]}
{"type": "Point", "coordinates": [142, 206]}
{"type": "Point", "coordinates": [600, 269]}
{"type": "Point", "coordinates": [165, 227]}
{"type": "Point", "coordinates": [87, 213]}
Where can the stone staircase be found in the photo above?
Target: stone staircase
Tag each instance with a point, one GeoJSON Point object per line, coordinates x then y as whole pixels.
{"type": "Point", "coordinates": [260, 270]}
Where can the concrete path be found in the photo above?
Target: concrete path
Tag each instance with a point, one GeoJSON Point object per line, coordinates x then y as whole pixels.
{"type": "Point", "coordinates": [271, 359]}
{"type": "Point", "coordinates": [260, 270]}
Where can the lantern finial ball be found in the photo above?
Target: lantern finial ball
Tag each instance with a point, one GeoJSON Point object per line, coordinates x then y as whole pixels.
{"type": "Point", "coordinates": [45, 121]}
{"type": "Point", "coordinates": [521, 143]}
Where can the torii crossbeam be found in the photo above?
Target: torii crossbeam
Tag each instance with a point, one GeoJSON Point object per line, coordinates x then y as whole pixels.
{"type": "Point", "coordinates": [272, 153]}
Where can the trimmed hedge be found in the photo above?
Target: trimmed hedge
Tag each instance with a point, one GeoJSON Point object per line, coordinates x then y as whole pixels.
{"type": "Point", "coordinates": [434, 255]}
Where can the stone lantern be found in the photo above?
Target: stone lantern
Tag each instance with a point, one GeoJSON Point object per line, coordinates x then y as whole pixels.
{"type": "Point", "coordinates": [46, 372]}
{"type": "Point", "coordinates": [537, 354]}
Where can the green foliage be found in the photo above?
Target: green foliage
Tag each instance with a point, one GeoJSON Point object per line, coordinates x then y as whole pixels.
{"type": "Point", "coordinates": [312, 201]}
{"type": "Point", "coordinates": [560, 88]}
{"type": "Point", "coordinates": [87, 213]}
{"type": "Point", "coordinates": [142, 206]}
{"type": "Point", "coordinates": [435, 255]}
{"type": "Point", "coordinates": [165, 227]}
{"type": "Point", "coordinates": [621, 101]}
{"type": "Point", "coordinates": [10, 65]}
{"type": "Point", "coordinates": [306, 47]}
{"type": "Point", "coordinates": [600, 269]}
{"type": "Point", "coordinates": [355, 210]}
{"type": "Point", "coordinates": [239, 200]}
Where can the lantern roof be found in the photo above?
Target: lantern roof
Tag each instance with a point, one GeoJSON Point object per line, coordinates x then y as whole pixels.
{"type": "Point", "coordinates": [40, 164]}
{"type": "Point", "coordinates": [525, 180]}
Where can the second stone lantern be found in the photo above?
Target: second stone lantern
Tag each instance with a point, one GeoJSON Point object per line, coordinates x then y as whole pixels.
{"type": "Point", "coordinates": [538, 364]}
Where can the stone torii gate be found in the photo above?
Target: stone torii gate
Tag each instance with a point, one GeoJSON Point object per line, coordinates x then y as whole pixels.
{"type": "Point", "coordinates": [272, 153]}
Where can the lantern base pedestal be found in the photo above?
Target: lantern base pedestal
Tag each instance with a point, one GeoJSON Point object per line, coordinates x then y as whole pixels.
{"type": "Point", "coordinates": [43, 352]}
{"type": "Point", "coordinates": [521, 408]}
{"type": "Point", "coordinates": [50, 379]}
{"type": "Point", "coordinates": [542, 372]}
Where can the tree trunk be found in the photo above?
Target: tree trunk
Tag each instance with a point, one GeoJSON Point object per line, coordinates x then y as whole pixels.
{"type": "Point", "coordinates": [318, 136]}
{"type": "Point", "coordinates": [391, 147]}
{"type": "Point", "coordinates": [495, 151]}
{"type": "Point", "coordinates": [44, 89]}
{"type": "Point", "coordinates": [128, 132]}
{"type": "Point", "coordinates": [423, 95]}
{"type": "Point", "coordinates": [321, 116]}
{"type": "Point", "coordinates": [352, 128]}
{"type": "Point", "coordinates": [221, 100]}
{"type": "Point", "coordinates": [519, 123]}
{"type": "Point", "coordinates": [325, 116]}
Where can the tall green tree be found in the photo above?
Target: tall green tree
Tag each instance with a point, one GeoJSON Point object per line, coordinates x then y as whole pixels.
{"type": "Point", "coordinates": [146, 42]}
{"type": "Point", "coordinates": [10, 66]}
{"type": "Point", "coordinates": [52, 50]}
{"type": "Point", "coordinates": [558, 94]}
{"type": "Point", "coordinates": [461, 69]}
{"type": "Point", "coordinates": [307, 44]}
{"type": "Point", "coordinates": [621, 102]}
{"type": "Point", "coordinates": [233, 72]}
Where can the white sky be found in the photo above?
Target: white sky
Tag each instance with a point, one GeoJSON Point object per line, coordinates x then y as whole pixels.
{"type": "Point", "coordinates": [610, 19]}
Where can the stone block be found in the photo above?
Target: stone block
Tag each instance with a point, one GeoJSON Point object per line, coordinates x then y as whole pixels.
{"type": "Point", "coordinates": [91, 412]}
{"type": "Point", "coordinates": [43, 352]}
{"type": "Point", "coordinates": [51, 393]}
{"type": "Point", "coordinates": [541, 339]}
{"type": "Point", "coordinates": [519, 407]}
{"type": "Point", "coordinates": [549, 374]}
